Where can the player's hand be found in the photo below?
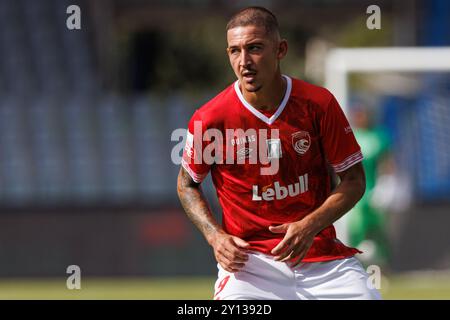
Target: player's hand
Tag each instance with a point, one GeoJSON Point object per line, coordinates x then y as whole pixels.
{"type": "Point", "coordinates": [295, 244]}
{"type": "Point", "coordinates": [230, 251]}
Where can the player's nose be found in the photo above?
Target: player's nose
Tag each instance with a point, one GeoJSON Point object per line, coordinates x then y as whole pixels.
{"type": "Point", "coordinates": [245, 59]}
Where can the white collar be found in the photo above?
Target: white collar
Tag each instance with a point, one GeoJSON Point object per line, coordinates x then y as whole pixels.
{"type": "Point", "coordinates": [259, 114]}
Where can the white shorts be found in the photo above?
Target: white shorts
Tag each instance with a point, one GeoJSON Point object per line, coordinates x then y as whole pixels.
{"type": "Point", "coordinates": [264, 278]}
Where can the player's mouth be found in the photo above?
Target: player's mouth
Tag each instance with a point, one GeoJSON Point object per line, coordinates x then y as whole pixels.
{"type": "Point", "coordinates": [249, 76]}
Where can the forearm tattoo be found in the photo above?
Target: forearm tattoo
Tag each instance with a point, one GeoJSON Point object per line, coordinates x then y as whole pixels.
{"type": "Point", "coordinates": [195, 205]}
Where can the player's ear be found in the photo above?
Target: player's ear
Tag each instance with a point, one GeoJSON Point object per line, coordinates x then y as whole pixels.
{"type": "Point", "coordinates": [282, 49]}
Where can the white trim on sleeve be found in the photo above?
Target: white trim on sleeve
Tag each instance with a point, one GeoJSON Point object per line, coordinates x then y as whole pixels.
{"type": "Point", "coordinates": [198, 178]}
{"type": "Point", "coordinates": [348, 162]}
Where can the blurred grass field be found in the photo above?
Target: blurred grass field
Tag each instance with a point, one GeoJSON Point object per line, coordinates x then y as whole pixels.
{"type": "Point", "coordinates": [398, 287]}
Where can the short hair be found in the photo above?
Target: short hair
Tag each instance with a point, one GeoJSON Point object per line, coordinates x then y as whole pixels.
{"type": "Point", "coordinates": [254, 16]}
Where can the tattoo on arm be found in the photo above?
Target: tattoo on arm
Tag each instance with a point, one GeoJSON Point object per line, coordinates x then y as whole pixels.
{"type": "Point", "coordinates": [195, 205]}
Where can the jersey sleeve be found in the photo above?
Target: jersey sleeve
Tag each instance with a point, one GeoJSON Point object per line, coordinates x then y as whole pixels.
{"type": "Point", "coordinates": [339, 143]}
{"type": "Point", "coordinates": [192, 160]}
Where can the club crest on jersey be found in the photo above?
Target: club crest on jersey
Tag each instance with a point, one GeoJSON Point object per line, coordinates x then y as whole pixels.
{"type": "Point", "coordinates": [273, 149]}
{"type": "Point", "coordinates": [301, 141]}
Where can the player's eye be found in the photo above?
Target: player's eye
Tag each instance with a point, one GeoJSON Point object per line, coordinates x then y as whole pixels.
{"type": "Point", "coordinates": [234, 51]}
{"type": "Point", "coordinates": [254, 48]}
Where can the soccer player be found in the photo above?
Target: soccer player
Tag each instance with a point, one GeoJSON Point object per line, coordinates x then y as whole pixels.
{"type": "Point", "coordinates": [268, 141]}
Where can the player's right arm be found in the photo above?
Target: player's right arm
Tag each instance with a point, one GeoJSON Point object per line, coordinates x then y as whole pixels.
{"type": "Point", "coordinates": [228, 250]}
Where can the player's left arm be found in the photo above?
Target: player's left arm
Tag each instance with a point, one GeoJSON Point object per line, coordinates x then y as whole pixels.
{"type": "Point", "coordinates": [299, 235]}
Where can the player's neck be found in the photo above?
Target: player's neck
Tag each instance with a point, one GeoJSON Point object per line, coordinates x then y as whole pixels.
{"type": "Point", "coordinates": [269, 97]}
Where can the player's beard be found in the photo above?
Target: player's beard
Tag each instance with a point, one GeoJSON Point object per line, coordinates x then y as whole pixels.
{"type": "Point", "coordinates": [252, 87]}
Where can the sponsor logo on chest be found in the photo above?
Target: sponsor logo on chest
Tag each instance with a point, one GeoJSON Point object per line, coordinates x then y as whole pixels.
{"type": "Point", "coordinates": [242, 140]}
{"type": "Point", "coordinates": [279, 192]}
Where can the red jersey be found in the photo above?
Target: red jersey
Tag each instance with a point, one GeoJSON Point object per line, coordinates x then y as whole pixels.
{"type": "Point", "coordinates": [306, 132]}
